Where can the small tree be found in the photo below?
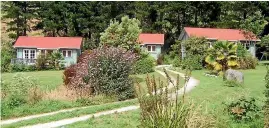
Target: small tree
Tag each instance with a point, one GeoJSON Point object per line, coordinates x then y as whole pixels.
{"type": "Point", "coordinates": [195, 50]}
{"type": "Point", "coordinates": [222, 55]}
{"type": "Point", "coordinates": [265, 45]}
{"type": "Point", "coordinates": [7, 53]}
{"type": "Point", "coordinates": [124, 34]}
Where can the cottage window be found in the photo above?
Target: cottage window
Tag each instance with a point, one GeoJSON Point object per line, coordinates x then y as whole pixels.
{"type": "Point", "coordinates": [67, 53]}
{"type": "Point", "coordinates": [151, 48]}
{"type": "Point", "coordinates": [29, 53]}
{"type": "Point", "coordinates": [247, 45]}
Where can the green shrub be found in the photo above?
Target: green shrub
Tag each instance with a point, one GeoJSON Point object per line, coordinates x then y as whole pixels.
{"type": "Point", "coordinates": [144, 65]}
{"type": "Point", "coordinates": [241, 51]}
{"type": "Point", "coordinates": [248, 62]}
{"type": "Point", "coordinates": [232, 83]}
{"type": "Point", "coordinates": [194, 62]}
{"type": "Point", "coordinates": [167, 59]}
{"type": "Point", "coordinates": [164, 59]}
{"type": "Point", "coordinates": [20, 67]}
{"type": "Point", "coordinates": [41, 62]}
{"type": "Point", "coordinates": [108, 72]}
{"type": "Point", "coordinates": [22, 89]}
{"type": "Point", "coordinates": [243, 109]}
{"type": "Point", "coordinates": [30, 68]}
{"type": "Point", "coordinates": [176, 62]}
{"type": "Point", "coordinates": [7, 53]}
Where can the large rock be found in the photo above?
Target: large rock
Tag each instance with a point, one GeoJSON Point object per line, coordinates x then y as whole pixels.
{"type": "Point", "coordinates": [234, 75]}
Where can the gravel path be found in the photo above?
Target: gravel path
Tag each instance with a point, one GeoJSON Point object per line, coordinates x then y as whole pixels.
{"type": "Point", "coordinates": [82, 118]}
{"type": "Point", "coordinates": [189, 86]}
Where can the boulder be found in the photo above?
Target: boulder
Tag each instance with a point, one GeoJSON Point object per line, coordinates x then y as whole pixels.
{"type": "Point", "coordinates": [231, 74]}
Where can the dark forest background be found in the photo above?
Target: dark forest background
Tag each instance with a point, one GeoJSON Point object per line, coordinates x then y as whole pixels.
{"type": "Point", "coordinates": [89, 18]}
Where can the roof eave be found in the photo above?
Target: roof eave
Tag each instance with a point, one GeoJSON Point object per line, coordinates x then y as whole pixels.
{"type": "Point", "coordinates": [44, 48]}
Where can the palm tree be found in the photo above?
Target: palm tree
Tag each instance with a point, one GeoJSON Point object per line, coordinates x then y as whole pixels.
{"type": "Point", "coordinates": [222, 56]}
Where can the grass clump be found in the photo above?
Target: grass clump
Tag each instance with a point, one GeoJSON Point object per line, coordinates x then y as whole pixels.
{"type": "Point", "coordinates": [166, 110]}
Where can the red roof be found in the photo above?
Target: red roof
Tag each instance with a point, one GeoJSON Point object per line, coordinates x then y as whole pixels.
{"type": "Point", "coordinates": [147, 38]}
{"type": "Point", "coordinates": [218, 34]}
{"type": "Point", "coordinates": [48, 42]}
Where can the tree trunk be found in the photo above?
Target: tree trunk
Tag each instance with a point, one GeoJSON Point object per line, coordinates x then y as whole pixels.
{"type": "Point", "coordinates": [24, 19]}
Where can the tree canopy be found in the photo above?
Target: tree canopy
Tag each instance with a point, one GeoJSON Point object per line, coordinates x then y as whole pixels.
{"type": "Point", "coordinates": [89, 18]}
{"type": "Point", "coordinates": [124, 34]}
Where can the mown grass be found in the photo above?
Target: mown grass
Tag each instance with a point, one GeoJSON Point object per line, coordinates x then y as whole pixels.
{"type": "Point", "coordinates": [54, 78]}
{"type": "Point", "coordinates": [47, 80]}
{"type": "Point", "coordinates": [211, 94]}
{"type": "Point", "coordinates": [129, 119]}
{"type": "Point", "coordinates": [75, 113]}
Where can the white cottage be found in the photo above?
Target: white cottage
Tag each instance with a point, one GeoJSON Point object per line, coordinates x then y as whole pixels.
{"type": "Point", "coordinates": [214, 34]}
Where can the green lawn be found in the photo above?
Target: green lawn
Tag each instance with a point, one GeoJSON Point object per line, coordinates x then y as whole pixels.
{"type": "Point", "coordinates": [76, 113]}
{"type": "Point", "coordinates": [210, 93]}
{"type": "Point", "coordinates": [141, 78]}
{"type": "Point", "coordinates": [129, 119]}
{"type": "Point", "coordinates": [50, 80]}
{"type": "Point", "coordinates": [47, 80]}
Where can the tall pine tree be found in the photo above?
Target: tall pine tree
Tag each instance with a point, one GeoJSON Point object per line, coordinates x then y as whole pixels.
{"type": "Point", "coordinates": [19, 14]}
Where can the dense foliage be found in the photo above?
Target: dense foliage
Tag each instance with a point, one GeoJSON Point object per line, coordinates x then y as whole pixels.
{"type": "Point", "coordinates": [247, 62]}
{"type": "Point", "coordinates": [104, 70]}
{"type": "Point", "coordinates": [245, 59]}
{"type": "Point", "coordinates": [109, 70]}
{"type": "Point", "coordinates": [195, 50]}
{"type": "Point", "coordinates": [222, 55]}
{"type": "Point", "coordinates": [266, 106]}
{"type": "Point", "coordinates": [124, 34]}
{"type": "Point", "coordinates": [243, 109]}
{"type": "Point", "coordinates": [22, 90]}
{"type": "Point", "coordinates": [144, 65]}
{"type": "Point", "coordinates": [192, 61]}
{"type": "Point", "coordinates": [20, 67]}
{"type": "Point", "coordinates": [7, 53]}
{"type": "Point", "coordinates": [89, 19]}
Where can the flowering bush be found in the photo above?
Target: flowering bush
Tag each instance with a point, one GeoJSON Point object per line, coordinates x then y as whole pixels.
{"type": "Point", "coordinates": [109, 70]}
{"type": "Point", "coordinates": [104, 70]}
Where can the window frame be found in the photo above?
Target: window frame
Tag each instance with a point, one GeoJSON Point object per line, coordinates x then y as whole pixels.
{"type": "Point", "coordinates": [247, 45]}
{"type": "Point", "coordinates": [151, 48]}
{"type": "Point", "coordinates": [29, 53]}
{"type": "Point", "coordinates": [66, 53]}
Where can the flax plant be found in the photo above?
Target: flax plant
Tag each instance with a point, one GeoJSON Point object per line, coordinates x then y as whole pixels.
{"type": "Point", "coordinates": [161, 109]}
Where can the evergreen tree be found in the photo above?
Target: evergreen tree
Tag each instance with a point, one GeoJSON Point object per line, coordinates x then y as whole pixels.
{"type": "Point", "coordinates": [19, 15]}
{"type": "Point", "coordinates": [124, 34]}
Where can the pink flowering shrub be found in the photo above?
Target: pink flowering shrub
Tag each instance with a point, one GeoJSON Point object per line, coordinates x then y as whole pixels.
{"type": "Point", "coordinates": [105, 70]}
